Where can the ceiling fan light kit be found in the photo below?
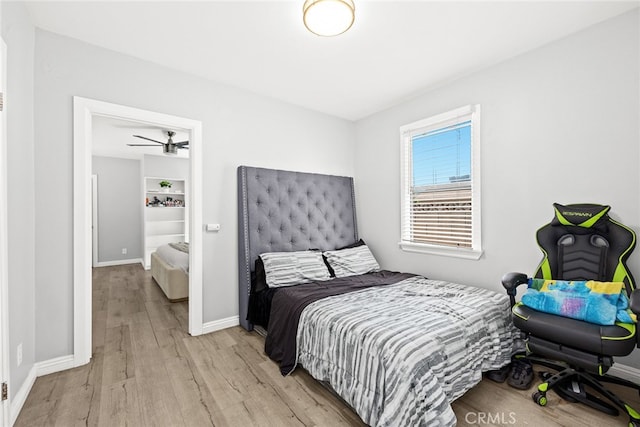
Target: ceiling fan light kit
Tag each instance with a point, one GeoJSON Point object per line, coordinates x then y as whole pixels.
{"type": "Point", "coordinates": [328, 18]}
{"type": "Point", "coordinates": [169, 147]}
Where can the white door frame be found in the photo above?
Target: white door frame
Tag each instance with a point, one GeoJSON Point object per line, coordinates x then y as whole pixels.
{"type": "Point", "coordinates": [84, 110]}
{"type": "Point", "coordinates": [4, 247]}
{"type": "Point", "coordinates": [94, 220]}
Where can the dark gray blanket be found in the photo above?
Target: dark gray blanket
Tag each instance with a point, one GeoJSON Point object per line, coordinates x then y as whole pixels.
{"type": "Point", "coordinates": [288, 304]}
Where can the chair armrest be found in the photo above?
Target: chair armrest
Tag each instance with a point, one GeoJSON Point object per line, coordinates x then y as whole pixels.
{"type": "Point", "coordinates": [634, 301]}
{"type": "Point", "coordinates": [511, 281]}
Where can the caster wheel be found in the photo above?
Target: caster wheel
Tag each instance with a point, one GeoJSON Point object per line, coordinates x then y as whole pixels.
{"type": "Point", "coordinates": [540, 398]}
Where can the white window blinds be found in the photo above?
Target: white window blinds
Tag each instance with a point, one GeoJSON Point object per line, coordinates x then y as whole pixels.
{"type": "Point", "coordinates": [439, 178]}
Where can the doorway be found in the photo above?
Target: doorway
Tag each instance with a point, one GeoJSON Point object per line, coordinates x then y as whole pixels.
{"type": "Point", "coordinates": [85, 110]}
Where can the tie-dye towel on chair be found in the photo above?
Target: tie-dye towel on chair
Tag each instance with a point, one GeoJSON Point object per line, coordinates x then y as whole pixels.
{"type": "Point", "coordinates": [603, 303]}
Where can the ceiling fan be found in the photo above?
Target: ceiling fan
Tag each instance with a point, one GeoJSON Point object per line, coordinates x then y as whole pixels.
{"type": "Point", "coordinates": [168, 147]}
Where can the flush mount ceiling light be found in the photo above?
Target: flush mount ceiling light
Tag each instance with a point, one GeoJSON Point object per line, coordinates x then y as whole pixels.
{"type": "Point", "coordinates": [328, 17]}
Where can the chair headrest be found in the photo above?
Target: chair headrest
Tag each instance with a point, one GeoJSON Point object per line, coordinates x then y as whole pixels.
{"type": "Point", "coordinates": [582, 215]}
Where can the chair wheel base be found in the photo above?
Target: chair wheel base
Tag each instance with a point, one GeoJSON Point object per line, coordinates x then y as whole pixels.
{"type": "Point", "coordinates": [540, 398]}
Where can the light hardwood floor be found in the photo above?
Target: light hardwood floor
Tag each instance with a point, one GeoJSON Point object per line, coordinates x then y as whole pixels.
{"type": "Point", "coordinates": [147, 371]}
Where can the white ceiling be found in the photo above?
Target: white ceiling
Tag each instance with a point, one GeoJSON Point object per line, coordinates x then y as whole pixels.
{"type": "Point", "coordinates": [394, 50]}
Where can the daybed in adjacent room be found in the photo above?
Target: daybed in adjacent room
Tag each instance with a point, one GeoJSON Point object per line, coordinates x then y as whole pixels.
{"type": "Point", "coordinates": [170, 269]}
{"type": "Point", "coordinates": [397, 347]}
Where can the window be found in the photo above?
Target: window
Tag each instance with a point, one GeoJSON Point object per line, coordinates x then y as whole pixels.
{"type": "Point", "coordinates": [440, 170]}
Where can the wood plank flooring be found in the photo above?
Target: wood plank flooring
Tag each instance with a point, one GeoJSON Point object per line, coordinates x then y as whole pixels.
{"type": "Point", "coordinates": [147, 371]}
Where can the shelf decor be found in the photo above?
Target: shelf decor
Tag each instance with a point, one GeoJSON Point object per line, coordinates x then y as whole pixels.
{"type": "Point", "coordinates": [166, 185]}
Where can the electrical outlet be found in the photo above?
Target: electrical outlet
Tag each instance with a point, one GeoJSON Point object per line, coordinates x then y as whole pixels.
{"type": "Point", "coordinates": [19, 354]}
{"type": "Point", "coordinates": [124, 251]}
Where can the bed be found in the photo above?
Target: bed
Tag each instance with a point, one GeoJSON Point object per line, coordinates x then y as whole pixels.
{"type": "Point", "coordinates": [397, 347]}
{"type": "Point", "coordinates": [170, 270]}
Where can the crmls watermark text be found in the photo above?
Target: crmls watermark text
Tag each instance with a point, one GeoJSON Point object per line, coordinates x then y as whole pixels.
{"type": "Point", "coordinates": [501, 418]}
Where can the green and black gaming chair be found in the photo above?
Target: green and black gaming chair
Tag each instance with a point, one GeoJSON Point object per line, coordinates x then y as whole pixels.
{"type": "Point", "coordinates": [581, 243]}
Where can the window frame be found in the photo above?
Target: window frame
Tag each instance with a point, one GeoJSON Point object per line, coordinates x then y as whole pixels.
{"type": "Point", "coordinates": [449, 118]}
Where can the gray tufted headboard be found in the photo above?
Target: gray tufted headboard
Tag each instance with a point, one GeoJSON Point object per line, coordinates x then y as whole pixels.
{"type": "Point", "coordinates": [283, 211]}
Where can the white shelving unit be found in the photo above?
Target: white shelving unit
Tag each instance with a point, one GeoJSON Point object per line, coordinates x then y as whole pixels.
{"type": "Point", "coordinates": [165, 214]}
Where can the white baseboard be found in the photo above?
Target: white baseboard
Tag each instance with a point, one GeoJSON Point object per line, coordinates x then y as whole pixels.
{"type": "Point", "coordinates": [217, 325]}
{"type": "Point", "coordinates": [627, 372]}
{"type": "Point", "coordinates": [20, 396]}
{"type": "Point", "coordinates": [54, 365]}
{"type": "Point", "coordinates": [39, 369]}
{"type": "Point", "coordinates": [119, 262]}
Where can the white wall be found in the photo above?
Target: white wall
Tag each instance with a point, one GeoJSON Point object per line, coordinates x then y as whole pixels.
{"type": "Point", "coordinates": [19, 36]}
{"type": "Point", "coordinates": [166, 167]}
{"type": "Point", "coordinates": [238, 128]}
{"type": "Point", "coordinates": [559, 124]}
{"type": "Point", "coordinates": [120, 203]}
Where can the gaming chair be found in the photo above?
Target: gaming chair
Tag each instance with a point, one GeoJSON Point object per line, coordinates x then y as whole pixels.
{"type": "Point", "coordinates": [581, 243]}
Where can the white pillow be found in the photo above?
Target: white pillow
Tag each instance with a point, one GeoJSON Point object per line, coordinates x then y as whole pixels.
{"type": "Point", "coordinates": [293, 268]}
{"type": "Point", "coordinates": [352, 261]}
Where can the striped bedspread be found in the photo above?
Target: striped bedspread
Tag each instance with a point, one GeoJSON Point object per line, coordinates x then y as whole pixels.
{"type": "Point", "coordinates": [400, 354]}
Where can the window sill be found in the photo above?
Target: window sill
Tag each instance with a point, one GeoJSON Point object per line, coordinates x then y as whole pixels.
{"type": "Point", "coordinates": [440, 250]}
